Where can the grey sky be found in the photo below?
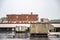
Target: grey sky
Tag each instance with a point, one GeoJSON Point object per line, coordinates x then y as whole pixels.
{"type": "Point", "coordinates": [45, 8]}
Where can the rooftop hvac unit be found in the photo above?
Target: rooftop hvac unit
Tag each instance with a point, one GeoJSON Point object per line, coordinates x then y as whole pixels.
{"type": "Point", "coordinates": [44, 20]}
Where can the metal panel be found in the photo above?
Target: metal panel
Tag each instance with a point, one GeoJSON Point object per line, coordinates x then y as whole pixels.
{"type": "Point", "coordinates": [39, 28]}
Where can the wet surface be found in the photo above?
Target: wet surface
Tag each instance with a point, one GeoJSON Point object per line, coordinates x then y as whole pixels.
{"type": "Point", "coordinates": [24, 36]}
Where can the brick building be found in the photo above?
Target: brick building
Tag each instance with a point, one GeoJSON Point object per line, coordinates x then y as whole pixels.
{"type": "Point", "coordinates": [22, 18]}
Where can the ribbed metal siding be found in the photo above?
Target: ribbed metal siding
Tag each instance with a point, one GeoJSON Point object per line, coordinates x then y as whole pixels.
{"type": "Point", "coordinates": [39, 28]}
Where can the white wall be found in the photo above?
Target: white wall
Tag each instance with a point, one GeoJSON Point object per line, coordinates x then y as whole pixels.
{"type": "Point", "coordinates": [28, 25]}
{"type": "Point", "coordinates": [56, 25]}
{"type": "Point", "coordinates": [13, 25]}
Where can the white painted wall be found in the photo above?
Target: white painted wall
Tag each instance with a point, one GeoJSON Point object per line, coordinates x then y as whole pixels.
{"type": "Point", "coordinates": [28, 25]}
{"type": "Point", "coordinates": [13, 25]}
{"type": "Point", "coordinates": [56, 25]}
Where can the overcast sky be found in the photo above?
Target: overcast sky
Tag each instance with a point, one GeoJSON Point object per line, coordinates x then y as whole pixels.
{"type": "Point", "coordinates": [44, 8]}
